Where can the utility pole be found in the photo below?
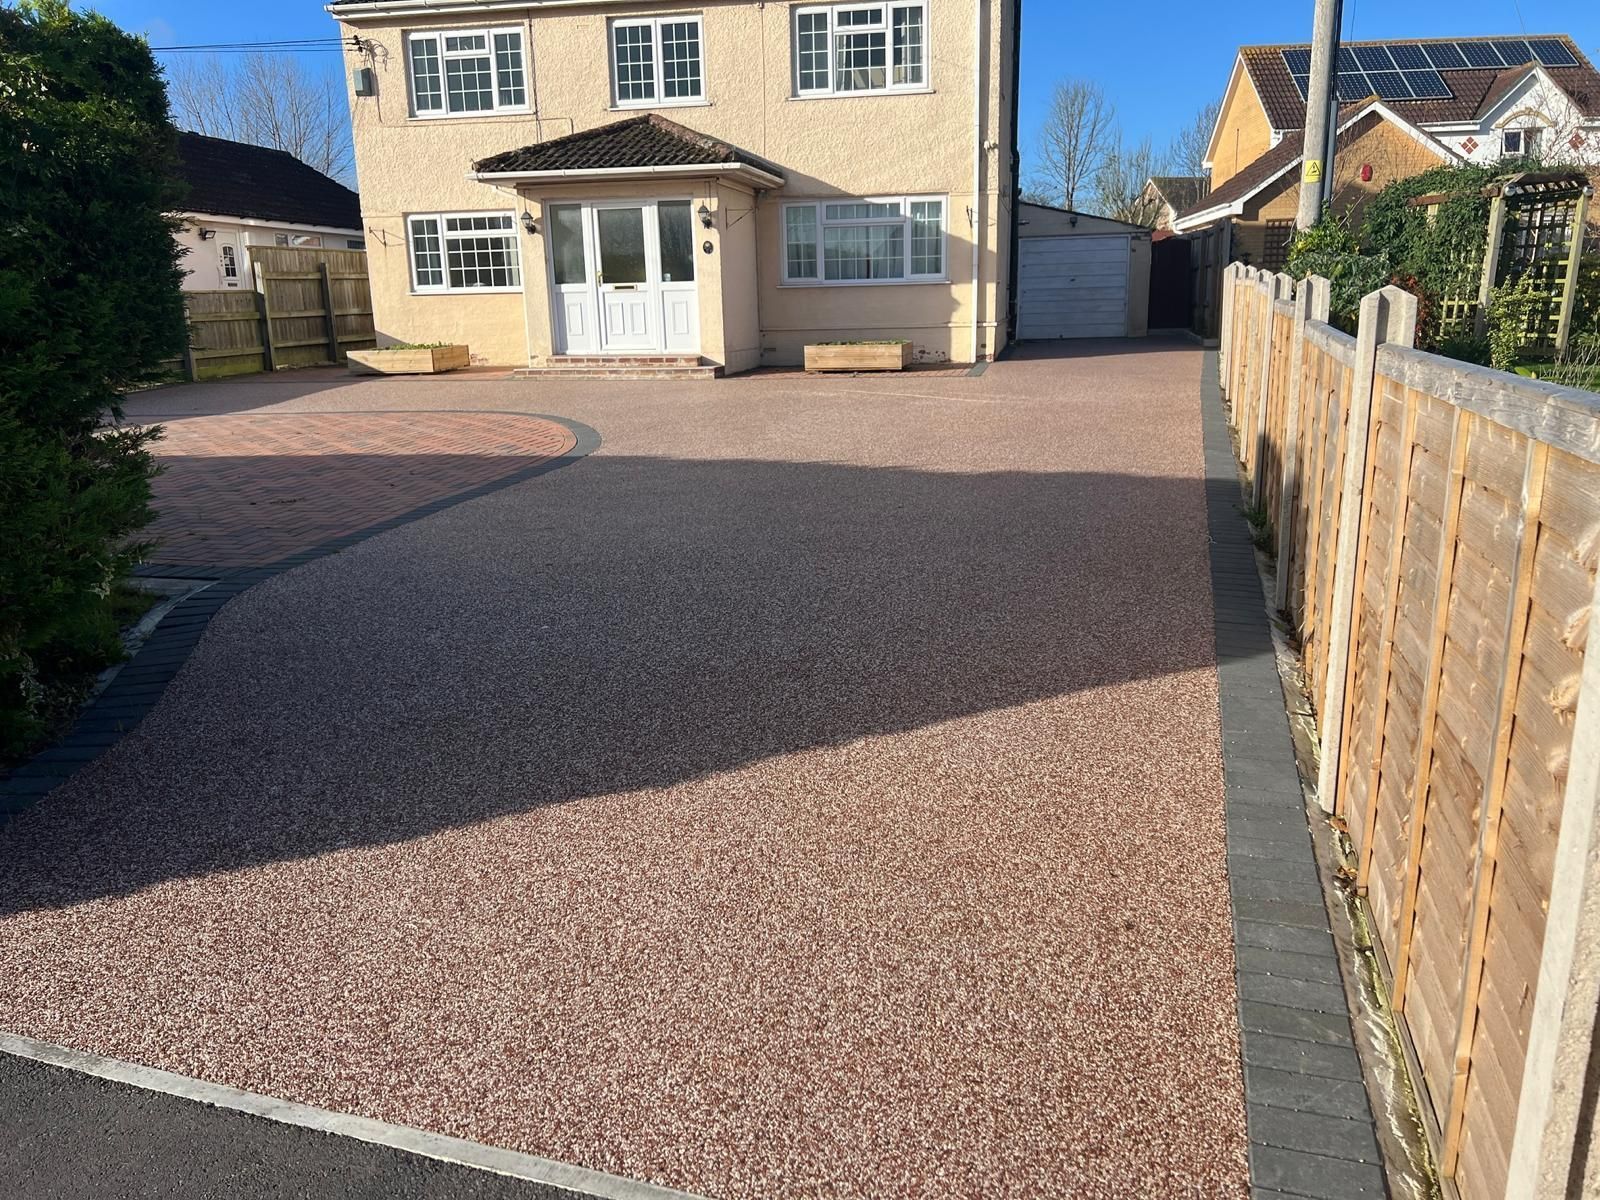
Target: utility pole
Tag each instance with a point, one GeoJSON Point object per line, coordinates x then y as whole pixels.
{"type": "Point", "coordinates": [1316, 168]}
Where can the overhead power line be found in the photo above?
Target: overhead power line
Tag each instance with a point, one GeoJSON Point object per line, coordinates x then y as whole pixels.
{"type": "Point", "coordinates": [281, 46]}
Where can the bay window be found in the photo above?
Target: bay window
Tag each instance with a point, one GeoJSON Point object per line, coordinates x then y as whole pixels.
{"type": "Point", "coordinates": [848, 48]}
{"type": "Point", "coordinates": [881, 240]}
{"type": "Point", "coordinates": [461, 252]}
{"type": "Point", "coordinates": [462, 71]}
{"type": "Point", "coordinates": [656, 62]}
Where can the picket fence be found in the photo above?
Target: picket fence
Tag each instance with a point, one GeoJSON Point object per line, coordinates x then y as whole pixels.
{"type": "Point", "coordinates": [1437, 531]}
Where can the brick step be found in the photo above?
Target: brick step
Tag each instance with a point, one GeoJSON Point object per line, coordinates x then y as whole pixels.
{"type": "Point", "coordinates": [625, 360]}
{"type": "Point", "coordinates": [702, 371]}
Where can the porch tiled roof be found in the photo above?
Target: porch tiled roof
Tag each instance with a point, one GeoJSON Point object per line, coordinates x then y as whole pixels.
{"type": "Point", "coordinates": [645, 141]}
{"type": "Point", "coordinates": [1471, 92]}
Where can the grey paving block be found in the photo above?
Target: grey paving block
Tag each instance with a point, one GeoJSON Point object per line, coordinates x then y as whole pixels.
{"type": "Point", "coordinates": [1332, 1029]}
{"type": "Point", "coordinates": [1244, 887]}
{"type": "Point", "coordinates": [1315, 1176]}
{"type": "Point", "coordinates": [1293, 993]}
{"type": "Point", "coordinates": [1270, 936]}
{"type": "Point", "coordinates": [1281, 912]}
{"type": "Point", "coordinates": [1314, 1133]}
{"type": "Point", "coordinates": [1317, 968]}
{"type": "Point", "coordinates": [1272, 868]}
{"type": "Point", "coordinates": [1300, 1092]}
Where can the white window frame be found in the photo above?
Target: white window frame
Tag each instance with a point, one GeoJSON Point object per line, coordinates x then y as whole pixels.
{"type": "Point", "coordinates": [438, 36]}
{"type": "Point", "coordinates": [444, 288]}
{"type": "Point", "coordinates": [657, 60]}
{"type": "Point", "coordinates": [831, 12]}
{"type": "Point", "coordinates": [822, 223]}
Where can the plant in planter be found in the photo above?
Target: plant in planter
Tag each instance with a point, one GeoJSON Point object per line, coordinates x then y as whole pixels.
{"type": "Point", "coordinates": [888, 355]}
{"type": "Point", "coordinates": [410, 358]}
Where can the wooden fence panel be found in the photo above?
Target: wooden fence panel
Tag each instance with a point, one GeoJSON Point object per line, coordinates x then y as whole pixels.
{"type": "Point", "coordinates": [224, 337]}
{"type": "Point", "coordinates": [1456, 758]}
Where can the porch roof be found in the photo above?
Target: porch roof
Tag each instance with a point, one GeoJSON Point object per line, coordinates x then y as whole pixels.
{"type": "Point", "coordinates": [636, 147]}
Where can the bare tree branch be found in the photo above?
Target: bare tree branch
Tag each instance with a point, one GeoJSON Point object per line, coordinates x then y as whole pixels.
{"type": "Point", "coordinates": [267, 100]}
{"type": "Point", "coordinates": [1119, 183]}
{"type": "Point", "coordinates": [1077, 132]}
{"type": "Point", "coordinates": [1187, 153]}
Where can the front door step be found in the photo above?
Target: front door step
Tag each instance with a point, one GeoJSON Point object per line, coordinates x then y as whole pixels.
{"type": "Point", "coordinates": [621, 366]}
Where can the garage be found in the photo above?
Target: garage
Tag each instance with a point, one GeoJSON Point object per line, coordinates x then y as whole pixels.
{"type": "Point", "coordinates": [1080, 276]}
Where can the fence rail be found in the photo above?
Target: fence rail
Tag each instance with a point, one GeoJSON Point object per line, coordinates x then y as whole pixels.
{"type": "Point", "coordinates": [309, 308]}
{"type": "Point", "coordinates": [1437, 527]}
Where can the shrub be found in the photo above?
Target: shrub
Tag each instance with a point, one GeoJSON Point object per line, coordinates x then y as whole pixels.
{"type": "Point", "coordinates": [1511, 306]}
{"type": "Point", "coordinates": [1329, 249]}
{"type": "Point", "coordinates": [89, 306]}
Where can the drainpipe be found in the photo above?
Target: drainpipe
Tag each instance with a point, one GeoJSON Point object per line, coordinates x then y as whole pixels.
{"type": "Point", "coordinates": [1016, 171]}
{"type": "Point", "coordinates": [977, 168]}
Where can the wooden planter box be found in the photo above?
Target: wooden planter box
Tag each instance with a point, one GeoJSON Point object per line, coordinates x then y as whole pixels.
{"type": "Point", "coordinates": [886, 356]}
{"type": "Point", "coordinates": [408, 362]}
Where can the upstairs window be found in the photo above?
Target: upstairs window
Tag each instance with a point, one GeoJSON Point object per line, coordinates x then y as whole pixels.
{"type": "Point", "coordinates": [1514, 142]}
{"type": "Point", "coordinates": [896, 239]}
{"type": "Point", "coordinates": [458, 72]}
{"type": "Point", "coordinates": [849, 48]}
{"type": "Point", "coordinates": [658, 62]}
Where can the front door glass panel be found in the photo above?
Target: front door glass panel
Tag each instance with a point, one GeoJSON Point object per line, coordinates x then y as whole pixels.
{"type": "Point", "coordinates": [621, 237]}
{"type": "Point", "coordinates": [677, 241]}
{"type": "Point", "coordinates": [566, 243]}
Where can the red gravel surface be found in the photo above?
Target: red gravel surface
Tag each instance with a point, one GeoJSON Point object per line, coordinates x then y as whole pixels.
{"type": "Point", "coordinates": [813, 793]}
{"type": "Point", "coordinates": [248, 489]}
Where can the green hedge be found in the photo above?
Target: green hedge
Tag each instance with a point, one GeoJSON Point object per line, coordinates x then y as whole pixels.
{"type": "Point", "coordinates": [90, 306]}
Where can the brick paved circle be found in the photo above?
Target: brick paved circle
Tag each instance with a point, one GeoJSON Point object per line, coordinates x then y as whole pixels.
{"type": "Point", "coordinates": [248, 489]}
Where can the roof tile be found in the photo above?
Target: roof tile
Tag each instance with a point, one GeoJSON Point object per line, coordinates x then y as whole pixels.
{"type": "Point", "coordinates": [645, 141]}
{"type": "Point", "coordinates": [235, 179]}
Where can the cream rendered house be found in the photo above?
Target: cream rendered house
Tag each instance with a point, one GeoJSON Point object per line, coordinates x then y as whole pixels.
{"type": "Point", "coordinates": [711, 186]}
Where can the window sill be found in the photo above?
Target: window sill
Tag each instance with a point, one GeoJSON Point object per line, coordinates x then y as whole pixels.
{"type": "Point", "coordinates": [659, 104]}
{"type": "Point", "coordinates": [865, 95]}
{"type": "Point", "coordinates": [480, 115]}
{"type": "Point", "coordinates": [483, 291]}
{"type": "Point", "coordinates": [942, 281]}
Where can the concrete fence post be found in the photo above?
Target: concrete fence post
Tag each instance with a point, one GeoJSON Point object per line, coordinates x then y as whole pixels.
{"type": "Point", "coordinates": [1310, 304]}
{"type": "Point", "coordinates": [1387, 315]}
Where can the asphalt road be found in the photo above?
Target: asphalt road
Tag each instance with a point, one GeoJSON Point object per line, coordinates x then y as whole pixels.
{"type": "Point", "coordinates": [68, 1136]}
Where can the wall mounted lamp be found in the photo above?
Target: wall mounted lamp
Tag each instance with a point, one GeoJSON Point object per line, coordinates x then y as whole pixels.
{"type": "Point", "coordinates": [705, 216]}
{"type": "Point", "coordinates": [207, 234]}
{"type": "Point", "coordinates": [529, 224]}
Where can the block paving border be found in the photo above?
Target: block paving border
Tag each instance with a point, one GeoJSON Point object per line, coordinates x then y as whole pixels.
{"type": "Point", "coordinates": [137, 686]}
{"type": "Point", "coordinates": [1310, 1120]}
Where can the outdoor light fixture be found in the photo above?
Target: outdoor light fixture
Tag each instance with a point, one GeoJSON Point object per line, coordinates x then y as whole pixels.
{"type": "Point", "coordinates": [207, 234]}
{"type": "Point", "coordinates": [705, 216]}
{"type": "Point", "coordinates": [529, 223]}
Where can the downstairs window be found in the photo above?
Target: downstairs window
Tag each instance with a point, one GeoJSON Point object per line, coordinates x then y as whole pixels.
{"type": "Point", "coordinates": [883, 240]}
{"type": "Point", "coordinates": [464, 252]}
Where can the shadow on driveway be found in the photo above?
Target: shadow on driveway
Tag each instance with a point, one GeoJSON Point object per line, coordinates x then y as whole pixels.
{"type": "Point", "coordinates": [648, 621]}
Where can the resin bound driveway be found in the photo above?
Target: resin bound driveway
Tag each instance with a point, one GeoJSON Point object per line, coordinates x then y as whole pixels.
{"type": "Point", "coordinates": [813, 792]}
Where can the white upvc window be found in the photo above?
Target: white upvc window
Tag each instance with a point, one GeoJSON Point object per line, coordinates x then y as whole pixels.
{"type": "Point", "coordinates": [895, 239]}
{"type": "Point", "coordinates": [464, 252]}
{"type": "Point", "coordinates": [843, 49]}
{"type": "Point", "coordinates": [1521, 141]}
{"type": "Point", "coordinates": [464, 72]}
{"type": "Point", "coordinates": [657, 62]}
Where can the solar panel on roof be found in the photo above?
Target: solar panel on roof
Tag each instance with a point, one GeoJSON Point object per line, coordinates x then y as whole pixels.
{"type": "Point", "coordinates": [1428, 85]}
{"type": "Point", "coordinates": [1373, 58]}
{"type": "Point", "coordinates": [1553, 53]}
{"type": "Point", "coordinates": [1514, 52]}
{"type": "Point", "coordinates": [1445, 55]}
{"type": "Point", "coordinates": [1352, 86]}
{"type": "Point", "coordinates": [1389, 84]}
{"type": "Point", "coordinates": [1303, 84]}
{"type": "Point", "coordinates": [1298, 61]}
{"type": "Point", "coordinates": [1409, 58]}
{"type": "Point", "coordinates": [1479, 54]}
{"type": "Point", "coordinates": [1347, 59]}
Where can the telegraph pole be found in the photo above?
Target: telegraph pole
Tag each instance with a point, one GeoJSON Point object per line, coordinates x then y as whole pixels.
{"type": "Point", "coordinates": [1316, 169]}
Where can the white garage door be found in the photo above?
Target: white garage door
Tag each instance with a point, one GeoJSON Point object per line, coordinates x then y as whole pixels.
{"type": "Point", "coordinates": [1073, 287]}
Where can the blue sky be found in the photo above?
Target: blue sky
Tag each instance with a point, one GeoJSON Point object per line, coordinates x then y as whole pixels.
{"type": "Point", "coordinates": [1158, 62]}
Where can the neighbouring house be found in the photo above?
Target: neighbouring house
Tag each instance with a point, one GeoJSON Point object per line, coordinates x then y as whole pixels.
{"type": "Point", "coordinates": [1165, 196]}
{"type": "Point", "coordinates": [1080, 276]}
{"type": "Point", "coordinates": [556, 182]}
{"type": "Point", "coordinates": [241, 196]}
{"type": "Point", "coordinates": [1404, 106]}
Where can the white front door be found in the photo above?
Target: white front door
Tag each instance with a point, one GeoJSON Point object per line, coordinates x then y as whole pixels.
{"type": "Point", "coordinates": [230, 260]}
{"type": "Point", "coordinates": [628, 305]}
{"type": "Point", "coordinates": [623, 277]}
